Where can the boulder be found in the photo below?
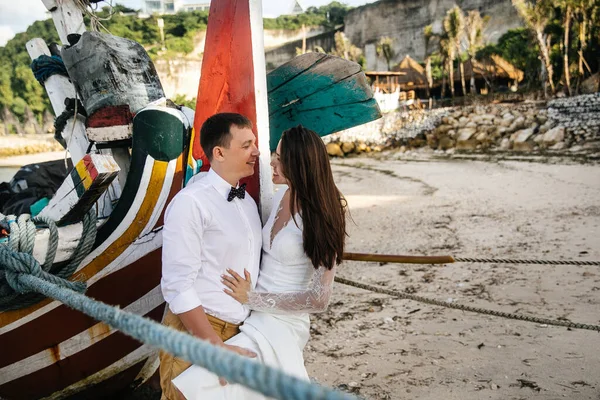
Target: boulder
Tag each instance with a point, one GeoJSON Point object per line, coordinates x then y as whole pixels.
{"type": "Point", "coordinates": [522, 135]}
{"type": "Point", "coordinates": [522, 146]}
{"type": "Point", "coordinates": [445, 143]}
{"type": "Point", "coordinates": [559, 146]}
{"type": "Point", "coordinates": [348, 147]}
{"type": "Point", "coordinates": [554, 136]}
{"type": "Point", "coordinates": [465, 134]}
{"type": "Point", "coordinates": [442, 129]}
{"type": "Point", "coordinates": [334, 149]}
{"type": "Point", "coordinates": [470, 144]}
{"type": "Point", "coordinates": [505, 144]}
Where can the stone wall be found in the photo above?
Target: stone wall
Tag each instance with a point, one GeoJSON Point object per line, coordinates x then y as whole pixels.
{"type": "Point", "coordinates": [562, 125]}
{"type": "Point", "coordinates": [404, 20]}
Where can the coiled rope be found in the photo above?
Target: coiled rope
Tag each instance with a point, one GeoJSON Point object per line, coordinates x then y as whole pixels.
{"type": "Point", "coordinates": [17, 258]}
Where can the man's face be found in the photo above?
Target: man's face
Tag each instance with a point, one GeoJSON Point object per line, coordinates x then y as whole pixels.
{"type": "Point", "coordinates": [242, 154]}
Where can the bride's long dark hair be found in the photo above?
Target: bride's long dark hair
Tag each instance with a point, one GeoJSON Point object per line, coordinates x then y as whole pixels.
{"type": "Point", "coordinates": [305, 164]}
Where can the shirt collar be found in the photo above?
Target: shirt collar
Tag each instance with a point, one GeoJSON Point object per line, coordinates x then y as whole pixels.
{"type": "Point", "coordinates": [222, 186]}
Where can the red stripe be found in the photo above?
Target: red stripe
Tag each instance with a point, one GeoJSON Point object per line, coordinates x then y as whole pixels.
{"type": "Point", "coordinates": [81, 365]}
{"type": "Point", "coordinates": [120, 288]}
{"type": "Point", "coordinates": [110, 116]}
{"type": "Point", "coordinates": [227, 80]}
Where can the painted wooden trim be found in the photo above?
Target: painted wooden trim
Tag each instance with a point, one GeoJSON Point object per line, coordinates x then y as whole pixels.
{"type": "Point", "coordinates": [67, 18]}
{"type": "Point", "coordinates": [262, 109]}
{"type": "Point", "coordinates": [88, 180]}
{"type": "Point", "coordinates": [59, 88]}
{"type": "Point", "coordinates": [76, 343]}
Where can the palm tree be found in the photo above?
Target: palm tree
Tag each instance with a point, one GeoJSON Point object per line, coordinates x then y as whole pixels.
{"type": "Point", "coordinates": [567, 8]}
{"type": "Point", "coordinates": [454, 26]}
{"type": "Point", "coordinates": [474, 26]}
{"type": "Point", "coordinates": [445, 50]}
{"type": "Point", "coordinates": [384, 49]}
{"type": "Point", "coordinates": [428, 34]}
{"type": "Point", "coordinates": [537, 14]}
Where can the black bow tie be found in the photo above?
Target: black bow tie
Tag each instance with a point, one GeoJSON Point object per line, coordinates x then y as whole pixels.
{"type": "Point", "coordinates": [237, 192]}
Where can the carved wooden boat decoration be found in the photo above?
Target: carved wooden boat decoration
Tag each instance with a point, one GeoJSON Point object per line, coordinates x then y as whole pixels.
{"type": "Point", "coordinates": [51, 351]}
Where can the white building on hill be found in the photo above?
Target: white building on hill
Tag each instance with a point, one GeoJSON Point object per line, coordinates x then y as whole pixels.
{"type": "Point", "coordinates": [282, 7]}
{"type": "Point", "coordinates": [174, 6]}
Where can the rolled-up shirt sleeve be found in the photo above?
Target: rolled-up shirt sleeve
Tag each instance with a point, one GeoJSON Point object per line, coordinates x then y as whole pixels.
{"type": "Point", "coordinates": [181, 253]}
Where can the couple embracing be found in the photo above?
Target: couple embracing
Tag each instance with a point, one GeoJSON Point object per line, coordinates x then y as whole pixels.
{"type": "Point", "coordinates": [239, 285]}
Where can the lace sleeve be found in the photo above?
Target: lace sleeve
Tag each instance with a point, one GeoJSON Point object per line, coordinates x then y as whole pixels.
{"type": "Point", "coordinates": [314, 300]}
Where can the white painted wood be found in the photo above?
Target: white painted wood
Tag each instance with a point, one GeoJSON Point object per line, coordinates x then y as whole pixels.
{"type": "Point", "coordinates": [66, 198]}
{"type": "Point", "coordinates": [59, 88]}
{"type": "Point", "coordinates": [262, 108]}
{"type": "Point", "coordinates": [109, 133]}
{"type": "Point", "coordinates": [67, 17]}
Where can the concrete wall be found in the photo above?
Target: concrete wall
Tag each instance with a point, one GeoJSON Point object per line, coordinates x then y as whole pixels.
{"type": "Point", "coordinates": [404, 20]}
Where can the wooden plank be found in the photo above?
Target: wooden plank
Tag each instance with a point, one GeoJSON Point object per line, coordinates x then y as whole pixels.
{"type": "Point", "coordinates": [292, 68]}
{"type": "Point", "coordinates": [231, 75]}
{"type": "Point", "coordinates": [327, 96]}
{"type": "Point", "coordinates": [325, 121]}
{"type": "Point", "coordinates": [88, 180]}
{"type": "Point", "coordinates": [262, 110]}
{"type": "Point", "coordinates": [67, 18]}
{"type": "Point", "coordinates": [59, 88]}
{"type": "Point", "coordinates": [322, 74]}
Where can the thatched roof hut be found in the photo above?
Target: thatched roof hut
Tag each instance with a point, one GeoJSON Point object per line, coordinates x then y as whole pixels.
{"type": "Point", "coordinates": [492, 67]}
{"type": "Point", "coordinates": [414, 74]}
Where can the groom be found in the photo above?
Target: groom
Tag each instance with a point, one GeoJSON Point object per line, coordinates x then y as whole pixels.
{"type": "Point", "coordinates": [210, 226]}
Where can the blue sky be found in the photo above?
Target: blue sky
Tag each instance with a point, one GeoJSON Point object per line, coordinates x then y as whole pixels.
{"type": "Point", "coordinates": [15, 17]}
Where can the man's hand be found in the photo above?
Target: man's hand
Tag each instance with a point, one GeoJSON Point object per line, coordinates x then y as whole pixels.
{"type": "Point", "coordinates": [238, 285]}
{"type": "Point", "coordinates": [239, 350]}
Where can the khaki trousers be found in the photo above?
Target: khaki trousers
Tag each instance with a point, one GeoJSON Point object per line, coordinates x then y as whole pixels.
{"type": "Point", "coordinates": [171, 367]}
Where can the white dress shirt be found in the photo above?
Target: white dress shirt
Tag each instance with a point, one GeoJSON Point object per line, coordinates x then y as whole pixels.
{"type": "Point", "coordinates": [203, 235]}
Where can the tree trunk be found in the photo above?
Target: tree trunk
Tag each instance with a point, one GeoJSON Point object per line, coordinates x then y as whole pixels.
{"type": "Point", "coordinates": [451, 74]}
{"type": "Point", "coordinates": [444, 81]}
{"type": "Point", "coordinates": [473, 88]}
{"type": "Point", "coordinates": [566, 50]}
{"type": "Point", "coordinates": [429, 77]}
{"type": "Point", "coordinates": [545, 53]}
{"type": "Point", "coordinates": [462, 78]}
{"type": "Point", "coordinates": [582, 46]}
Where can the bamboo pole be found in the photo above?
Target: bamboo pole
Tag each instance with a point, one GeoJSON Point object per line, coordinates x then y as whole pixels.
{"type": "Point", "coordinates": [388, 258]}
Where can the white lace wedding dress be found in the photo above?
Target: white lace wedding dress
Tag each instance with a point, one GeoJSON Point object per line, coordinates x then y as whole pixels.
{"type": "Point", "coordinates": [287, 290]}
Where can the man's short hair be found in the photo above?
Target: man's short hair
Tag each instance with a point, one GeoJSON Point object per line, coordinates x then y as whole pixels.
{"type": "Point", "coordinates": [215, 131]}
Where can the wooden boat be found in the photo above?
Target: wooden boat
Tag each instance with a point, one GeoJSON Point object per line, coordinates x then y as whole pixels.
{"type": "Point", "coordinates": [51, 351]}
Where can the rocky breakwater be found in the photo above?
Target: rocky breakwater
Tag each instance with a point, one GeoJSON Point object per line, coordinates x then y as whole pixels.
{"type": "Point", "coordinates": [565, 125]}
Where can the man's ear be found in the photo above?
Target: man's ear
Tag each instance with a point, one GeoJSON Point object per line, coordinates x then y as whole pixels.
{"type": "Point", "coordinates": [217, 153]}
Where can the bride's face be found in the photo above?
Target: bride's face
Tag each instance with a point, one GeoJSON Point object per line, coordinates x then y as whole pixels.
{"type": "Point", "coordinates": [278, 177]}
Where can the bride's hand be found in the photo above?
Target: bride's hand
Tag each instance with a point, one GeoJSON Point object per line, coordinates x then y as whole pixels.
{"type": "Point", "coordinates": [238, 285]}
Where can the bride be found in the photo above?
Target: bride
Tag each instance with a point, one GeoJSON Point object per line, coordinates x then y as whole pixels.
{"type": "Point", "coordinates": [303, 241]}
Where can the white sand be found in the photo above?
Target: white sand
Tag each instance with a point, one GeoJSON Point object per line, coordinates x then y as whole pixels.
{"type": "Point", "coordinates": [395, 349]}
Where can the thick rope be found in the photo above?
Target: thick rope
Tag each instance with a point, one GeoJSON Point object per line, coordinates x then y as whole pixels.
{"type": "Point", "coordinates": [17, 258]}
{"type": "Point", "coordinates": [402, 259]}
{"type": "Point", "coordinates": [234, 368]}
{"type": "Point", "coordinates": [455, 306]}
{"type": "Point", "coordinates": [513, 261]}
{"type": "Point", "coordinates": [45, 66]}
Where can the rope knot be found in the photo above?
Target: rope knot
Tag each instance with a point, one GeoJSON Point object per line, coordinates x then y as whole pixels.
{"type": "Point", "coordinates": [16, 264]}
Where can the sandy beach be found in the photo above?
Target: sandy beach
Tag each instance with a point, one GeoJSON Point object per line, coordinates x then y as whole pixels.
{"type": "Point", "coordinates": [385, 348]}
